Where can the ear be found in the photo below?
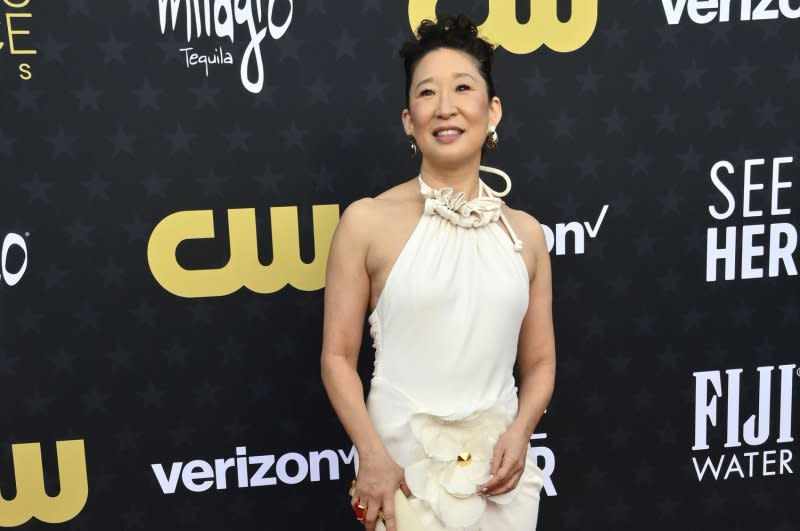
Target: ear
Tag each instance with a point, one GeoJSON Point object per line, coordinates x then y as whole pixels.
{"type": "Point", "coordinates": [495, 111]}
{"type": "Point", "coordinates": [408, 124]}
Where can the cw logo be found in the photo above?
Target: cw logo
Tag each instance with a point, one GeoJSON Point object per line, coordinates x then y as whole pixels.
{"type": "Point", "coordinates": [32, 501]}
{"type": "Point", "coordinates": [243, 268]}
{"type": "Point", "coordinates": [502, 28]}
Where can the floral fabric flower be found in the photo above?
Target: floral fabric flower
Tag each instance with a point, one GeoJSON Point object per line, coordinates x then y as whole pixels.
{"type": "Point", "coordinates": [457, 461]}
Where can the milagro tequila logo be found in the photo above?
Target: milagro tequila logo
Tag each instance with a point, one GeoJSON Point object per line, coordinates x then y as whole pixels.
{"type": "Point", "coordinates": [225, 19]}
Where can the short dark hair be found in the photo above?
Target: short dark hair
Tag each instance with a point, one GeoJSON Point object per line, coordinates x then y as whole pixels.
{"type": "Point", "coordinates": [455, 32]}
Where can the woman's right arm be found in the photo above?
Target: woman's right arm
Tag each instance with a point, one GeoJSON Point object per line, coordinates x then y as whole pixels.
{"type": "Point", "coordinates": [347, 293]}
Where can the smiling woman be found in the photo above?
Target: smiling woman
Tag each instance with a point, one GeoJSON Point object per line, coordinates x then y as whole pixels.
{"type": "Point", "coordinates": [460, 290]}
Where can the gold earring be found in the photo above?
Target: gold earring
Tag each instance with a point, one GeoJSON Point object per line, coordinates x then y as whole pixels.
{"type": "Point", "coordinates": [491, 138]}
{"type": "Point", "coordinates": [412, 147]}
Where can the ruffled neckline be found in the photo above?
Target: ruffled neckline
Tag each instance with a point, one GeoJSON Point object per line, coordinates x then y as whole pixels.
{"type": "Point", "coordinates": [480, 211]}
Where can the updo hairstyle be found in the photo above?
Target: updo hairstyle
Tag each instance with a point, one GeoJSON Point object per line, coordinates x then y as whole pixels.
{"type": "Point", "coordinates": [454, 32]}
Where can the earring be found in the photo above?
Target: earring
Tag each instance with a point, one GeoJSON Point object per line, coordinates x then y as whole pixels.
{"type": "Point", "coordinates": [412, 146]}
{"type": "Point", "coordinates": [491, 138]}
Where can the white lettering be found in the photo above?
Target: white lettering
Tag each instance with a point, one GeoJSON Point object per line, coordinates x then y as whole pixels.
{"type": "Point", "coordinates": [782, 253]}
{"type": "Point", "coordinates": [197, 470]}
{"type": "Point", "coordinates": [167, 484]}
{"type": "Point", "coordinates": [775, 210]}
{"type": "Point", "coordinates": [749, 187]}
{"type": "Point", "coordinates": [11, 240]}
{"type": "Point", "coordinates": [752, 437]}
{"type": "Point", "coordinates": [749, 251]}
{"type": "Point", "coordinates": [714, 253]}
{"type": "Point", "coordinates": [260, 478]}
{"type": "Point", "coordinates": [705, 408]}
{"type": "Point", "coordinates": [227, 15]}
{"type": "Point", "coordinates": [221, 467]}
{"type": "Point", "coordinates": [785, 429]}
{"type": "Point", "coordinates": [302, 468]}
{"type": "Point", "coordinates": [333, 464]}
{"type": "Point", "coordinates": [708, 466]}
{"type": "Point", "coordinates": [705, 11]}
{"type": "Point", "coordinates": [348, 458]}
{"type": "Point", "coordinates": [252, 471]}
{"type": "Point", "coordinates": [733, 408]}
{"type": "Point", "coordinates": [710, 6]}
{"type": "Point", "coordinates": [548, 466]}
{"type": "Point", "coordinates": [558, 240]}
{"type": "Point", "coordinates": [734, 466]}
{"type": "Point", "coordinates": [723, 164]}
{"type": "Point", "coordinates": [786, 458]}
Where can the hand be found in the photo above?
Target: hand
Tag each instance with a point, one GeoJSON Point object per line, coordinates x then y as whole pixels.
{"type": "Point", "coordinates": [508, 462]}
{"type": "Point", "coordinates": [378, 479]}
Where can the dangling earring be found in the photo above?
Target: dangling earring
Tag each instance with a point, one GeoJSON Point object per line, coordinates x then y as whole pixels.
{"type": "Point", "coordinates": [412, 147]}
{"type": "Point", "coordinates": [491, 138]}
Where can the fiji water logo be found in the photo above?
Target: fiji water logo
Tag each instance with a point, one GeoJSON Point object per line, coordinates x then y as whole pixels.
{"type": "Point", "coordinates": [225, 19]}
{"type": "Point", "coordinates": [752, 446]}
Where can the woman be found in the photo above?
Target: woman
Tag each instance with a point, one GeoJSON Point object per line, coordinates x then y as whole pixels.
{"type": "Point", "coordinates": [460, 289]}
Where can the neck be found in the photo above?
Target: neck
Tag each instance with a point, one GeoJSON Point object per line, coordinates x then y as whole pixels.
{"type": "Point", "coordinates": [461, 178]}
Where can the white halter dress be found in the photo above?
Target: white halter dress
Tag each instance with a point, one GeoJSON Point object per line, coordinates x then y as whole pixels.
{"type": "Point", "coordinates": [445, 332]}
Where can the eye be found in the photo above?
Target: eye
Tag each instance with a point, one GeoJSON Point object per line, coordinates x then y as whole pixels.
{"type": "Point", "coordinates": [463, 87]}
{"type": "Point", "coordinates": [425, 92]}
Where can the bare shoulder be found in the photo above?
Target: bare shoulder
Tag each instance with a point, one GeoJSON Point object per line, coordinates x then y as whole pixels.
{"type": "Point", "coordinates": [363, 215]}
{"type": "Point", "coordinates": [358, 213]}
{"type": "Point", "coordinates": [527, 227]}
{"type": "Point", "coordinates": [403, 192]}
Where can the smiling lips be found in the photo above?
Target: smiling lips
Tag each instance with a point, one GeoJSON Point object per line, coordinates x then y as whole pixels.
{"type": "Point", "coordinates": [447, 134]}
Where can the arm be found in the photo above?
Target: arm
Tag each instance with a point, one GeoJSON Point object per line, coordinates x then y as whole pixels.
{"type": "Point", "coordinates": [347, 293]}
{"type": "Point", "coordinates": [536, 361]}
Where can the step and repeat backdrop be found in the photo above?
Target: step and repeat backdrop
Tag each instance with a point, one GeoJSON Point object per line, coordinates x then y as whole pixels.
{"type": "Point", "coordinates": [171, 173]}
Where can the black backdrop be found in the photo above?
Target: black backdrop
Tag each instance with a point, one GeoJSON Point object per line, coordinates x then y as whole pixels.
{"type": "Point", "coordinates": [108, 129]}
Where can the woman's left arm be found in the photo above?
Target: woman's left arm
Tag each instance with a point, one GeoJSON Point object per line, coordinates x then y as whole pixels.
{"type": "Point", "coordinates": [536, 362]}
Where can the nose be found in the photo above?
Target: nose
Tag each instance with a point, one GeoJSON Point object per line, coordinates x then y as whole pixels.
{"type": "Point", "coordinates": [445, 107]}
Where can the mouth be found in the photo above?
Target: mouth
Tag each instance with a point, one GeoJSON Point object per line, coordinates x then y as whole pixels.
{"type": "Point", "coordinates": [447, 132]}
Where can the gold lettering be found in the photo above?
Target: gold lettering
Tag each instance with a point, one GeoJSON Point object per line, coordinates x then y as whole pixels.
{"type": "Point", "coordinates": [11, 32]}
{"type": "Point", "coordinates": [16, 5]}
{"type": "Point", "coordinates": [502, 29]}
{"type": "Point", "coordinates": [32, 501]}
{"type": "Point", "coordinates": [243, 268]}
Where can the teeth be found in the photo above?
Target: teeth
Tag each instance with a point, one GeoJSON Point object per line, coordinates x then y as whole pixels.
{"type": "Point", "coordinates": [447, 132]}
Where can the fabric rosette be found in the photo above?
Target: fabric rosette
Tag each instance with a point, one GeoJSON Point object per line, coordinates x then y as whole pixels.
{"type": "Point", "coordinates": [457, 461]}
{"type": "Point", "coordinates": [452, 206]}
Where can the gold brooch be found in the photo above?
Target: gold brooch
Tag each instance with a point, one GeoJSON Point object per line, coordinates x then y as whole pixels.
{"type": "Point", "coordinates": [464, 458]}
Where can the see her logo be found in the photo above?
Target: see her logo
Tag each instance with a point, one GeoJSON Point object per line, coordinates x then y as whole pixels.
{"type": "Point", "coordinates": [543, 28]}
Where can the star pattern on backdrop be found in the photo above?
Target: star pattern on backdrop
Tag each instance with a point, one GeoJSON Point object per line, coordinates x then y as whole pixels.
{"type": "Point", "coordinates": [114, 133]}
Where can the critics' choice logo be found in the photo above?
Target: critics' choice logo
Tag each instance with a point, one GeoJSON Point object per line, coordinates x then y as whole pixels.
{"type": "Point", "coordinates": [243, 268]}
{"type": "Point", "coordinates": [244, 471]}
{"type": "Point", "coordinates": [502, 28]}
{"type": "Point", "coordinates": [705, 11]}
{"type": "Point", "coordinates": [14, 38]}
{"type": "Point", "coordinates": [751, 448]}
{"type": "Point", "coordinates": [32, 501]}
{"type": "Point", "coordinates": [13, 249]}
{"type": "Point", "coordinates": [225, 19]}
{"type": "Point", "coordinates": [558, 239]}
{"type": "Point", "coordinates": [751, 250]}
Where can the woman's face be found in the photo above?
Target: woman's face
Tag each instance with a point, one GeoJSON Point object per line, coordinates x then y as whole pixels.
{"type": "Point", "coordinates": [449, 110]}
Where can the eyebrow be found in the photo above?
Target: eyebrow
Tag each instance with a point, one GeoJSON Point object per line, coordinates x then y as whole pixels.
{"type": "Point", "coordinates": [455, 76]}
